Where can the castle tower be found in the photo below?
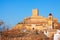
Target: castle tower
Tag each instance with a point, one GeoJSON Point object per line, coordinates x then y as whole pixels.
{"type": "Point", "coordinates": [35, 12]}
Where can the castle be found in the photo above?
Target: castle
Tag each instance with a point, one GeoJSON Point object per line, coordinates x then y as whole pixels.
{"type": "Point", "coordinates": [36, 22]}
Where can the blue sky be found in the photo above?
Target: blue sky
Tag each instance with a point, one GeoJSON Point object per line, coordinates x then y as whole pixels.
{"type": "Point", "coordinates": [14, 11]}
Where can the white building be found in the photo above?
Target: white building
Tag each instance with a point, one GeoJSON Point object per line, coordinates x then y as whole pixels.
{"type": "Point", "coordinates": [57, 35]}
